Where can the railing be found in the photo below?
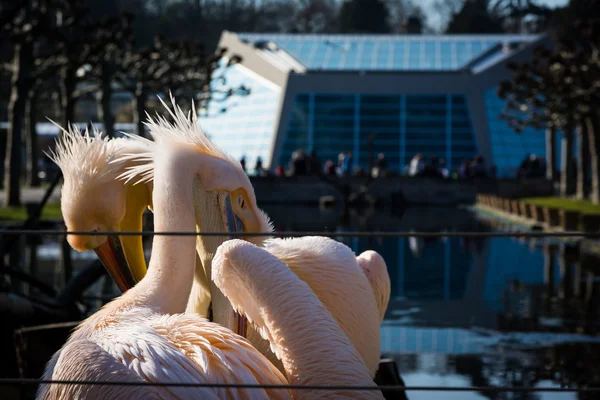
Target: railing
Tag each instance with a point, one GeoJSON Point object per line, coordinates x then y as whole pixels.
{"type": "Point", "coordinates": [504, 389]}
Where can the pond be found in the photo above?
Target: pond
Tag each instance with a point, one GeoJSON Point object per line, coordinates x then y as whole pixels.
{"type": "Point", "coordinates": [463, 312]}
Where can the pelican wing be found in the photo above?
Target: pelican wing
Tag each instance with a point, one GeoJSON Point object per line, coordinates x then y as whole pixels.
{"type": "Point", "coordinates": [139, 346]}
{"type": "Point", "coordinates": [313, 348]}
{"type": "Point", "coordinates": [375, 269]}
{"type": "Point", "coordinates": [332, 271]}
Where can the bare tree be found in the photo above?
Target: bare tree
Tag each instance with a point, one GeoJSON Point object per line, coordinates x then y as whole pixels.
{"type": "Point", "coordinates": [115, 36]}
{"type": "Point", "coordinates": [182, 67]}
{"type": "Point", "coordinates": [23, 23]}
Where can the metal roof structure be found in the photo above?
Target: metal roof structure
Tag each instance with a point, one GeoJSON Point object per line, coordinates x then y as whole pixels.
{"type": "Point", "coordinates": [382, 52]}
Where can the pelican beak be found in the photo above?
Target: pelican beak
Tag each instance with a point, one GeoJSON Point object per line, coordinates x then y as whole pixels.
{"type": "Point", "coordinates": [234, 224]}
{"type": "Point", "coordinates": [113, 258]}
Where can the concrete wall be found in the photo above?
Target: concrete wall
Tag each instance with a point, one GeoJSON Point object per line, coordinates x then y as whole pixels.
{"type": "Point", "coordinates": [423, 219]}
{"type": "Point", "coordinates": [395, 190]}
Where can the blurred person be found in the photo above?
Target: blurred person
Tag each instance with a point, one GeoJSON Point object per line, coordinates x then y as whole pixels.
{"type": "Point", "coordinates": [243, 163]}
{"type": "Point", "coordinates": [464, 171]}
{"type": "Point", "coordinates": [442, 168]}
{"type": "Point", "coordinates": [280, 171]}
{"type": "Point", "coordinates": [478, 169]}
{"type": "Point", "coordinates": [258, 168]}
{"type": "Point", "coordinates": [329, 168]}
{"type": "Point", "coordinates": [340, 164]}
{"type": "Point", "coordinates": [347, 164]}
{"type": "Point", "coordinates": [380, 168]}
{"type": "Point", "coordinates": [417, 165]}
{"type": "Point", "coordinates": [432, 167]}
{"type": "Point", "coordinates": [298, 165]}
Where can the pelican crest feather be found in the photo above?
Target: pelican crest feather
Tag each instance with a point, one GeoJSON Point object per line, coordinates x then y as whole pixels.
{"type": "Point", "coordinates": [85, 156]}
{"type": "Point", "coordinates": [185, 129]}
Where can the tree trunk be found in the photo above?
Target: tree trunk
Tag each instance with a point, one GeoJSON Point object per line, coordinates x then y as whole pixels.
{"type": "Point", "coordinates": [567, 178]}
{"type": "Point", "coordinates": [68, 85]}
{"type": "Point", "coordinates": [105, 114]}
{"type": "Point", "coordinates": [141, 97]}
{"type": "Point", "coordinates": [593, 131]}
{"type": "Point", "coordinates": [583, 162]}
{"type": "Point", "coordinates": [551, 170]}
{"type": "Point", "coordinates": [21, 81]}
{"type": "Point", "coordinates": [3, 134]}
{"type": "Point", "coordinates": [32, 141]}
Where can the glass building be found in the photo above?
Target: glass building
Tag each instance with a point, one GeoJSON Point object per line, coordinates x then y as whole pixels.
{"type": "Point", "coordinates": [397, 94]}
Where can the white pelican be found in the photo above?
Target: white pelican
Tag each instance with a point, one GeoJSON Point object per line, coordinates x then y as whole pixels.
{"type": "Point", "coordinates": [327, 266]}
{"type": "Point", "coordinates": [242, 270]}
{"type": "Point", "coordinates": [133, 339]}
{"type": "Point", "coordinates": [92, 199]}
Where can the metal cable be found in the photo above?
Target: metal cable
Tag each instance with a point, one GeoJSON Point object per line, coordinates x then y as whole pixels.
{"type": "Point", "coordinates": [19, 381]}
{"type": "Point", "coordinates": [523, 234]}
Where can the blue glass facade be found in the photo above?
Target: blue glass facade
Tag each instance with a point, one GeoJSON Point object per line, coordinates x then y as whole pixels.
{"type": "Point", "coordinates": [508, 147]}
{"type": "Point", "coordinates": [247, 126]}
{"type": "Point", "coordinates": [401, 126]}
{"type": "Point", "coordinates": [385, 52]}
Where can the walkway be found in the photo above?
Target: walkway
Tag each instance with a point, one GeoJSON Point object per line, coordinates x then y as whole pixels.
{"type": "Point", "coordinates": [34, 195]}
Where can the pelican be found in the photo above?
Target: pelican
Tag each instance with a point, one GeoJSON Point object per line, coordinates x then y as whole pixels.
{"type": "Point", "coordinates": [143, 337]}
{"type": "Point", "coordinates": [243, 270]}
{"type": "Point", "coordinates": [354, 291]}
{"type": "Point", "coordinates": [92, 199]}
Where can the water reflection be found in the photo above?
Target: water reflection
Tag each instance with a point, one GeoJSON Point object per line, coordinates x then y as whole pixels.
{"type": "Point", "coordinates": [499, 311]}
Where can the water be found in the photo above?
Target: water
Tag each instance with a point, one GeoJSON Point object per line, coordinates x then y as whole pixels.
{"type": "Point", "coordinates": [463, 312]}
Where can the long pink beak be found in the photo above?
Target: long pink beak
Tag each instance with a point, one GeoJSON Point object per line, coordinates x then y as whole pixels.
{"type": "Point", "coordinates": [234, 224]}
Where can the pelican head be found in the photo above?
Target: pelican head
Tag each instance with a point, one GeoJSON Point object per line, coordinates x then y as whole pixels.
{"type": "Point", "coordinates": [93, 199]}
{"type": "Point", "coordinates": [224, 198]}
{"type": "Point", "coordinates": [223, 195]}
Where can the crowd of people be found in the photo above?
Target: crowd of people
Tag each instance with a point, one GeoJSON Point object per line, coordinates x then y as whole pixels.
{"type": "Point", "coordinates": [303, 164]}
{"type": "Point", "coordinates": [436, 168]}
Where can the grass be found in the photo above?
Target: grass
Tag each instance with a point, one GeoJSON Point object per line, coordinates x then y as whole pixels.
{"type": "Point", "coordinates": [51, 211]}
{"type": "Point", "coordinates": [583, 206]}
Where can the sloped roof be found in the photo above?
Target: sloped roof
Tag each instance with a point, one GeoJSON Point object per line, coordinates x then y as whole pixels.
{"type": "Point", "coordinates": [382, 52]}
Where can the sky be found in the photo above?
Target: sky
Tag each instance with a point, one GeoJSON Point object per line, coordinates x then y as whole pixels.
{"type": "Point", "coordinates": [433, 19]}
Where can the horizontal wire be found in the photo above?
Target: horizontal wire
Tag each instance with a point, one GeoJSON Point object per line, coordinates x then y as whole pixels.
{"type": "Point", "coordinates": [524, 234]}
{"type": "Point", "coordinates": [19, 381]}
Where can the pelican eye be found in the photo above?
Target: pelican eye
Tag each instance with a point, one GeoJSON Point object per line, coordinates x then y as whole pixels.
{"type": "Point", "coordinates": [241, 201]}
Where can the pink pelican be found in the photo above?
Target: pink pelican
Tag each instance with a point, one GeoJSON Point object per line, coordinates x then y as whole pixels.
{"type": "Point", "coordinates": [93, 199]}
{"type": "Point", "coordinates": [143, 337]}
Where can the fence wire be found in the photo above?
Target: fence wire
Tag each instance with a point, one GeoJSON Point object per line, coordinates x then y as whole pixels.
{"type": "Point", "coordinates": [399, 388]}
{"type": "Point", "coordinates": [377, 234]}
